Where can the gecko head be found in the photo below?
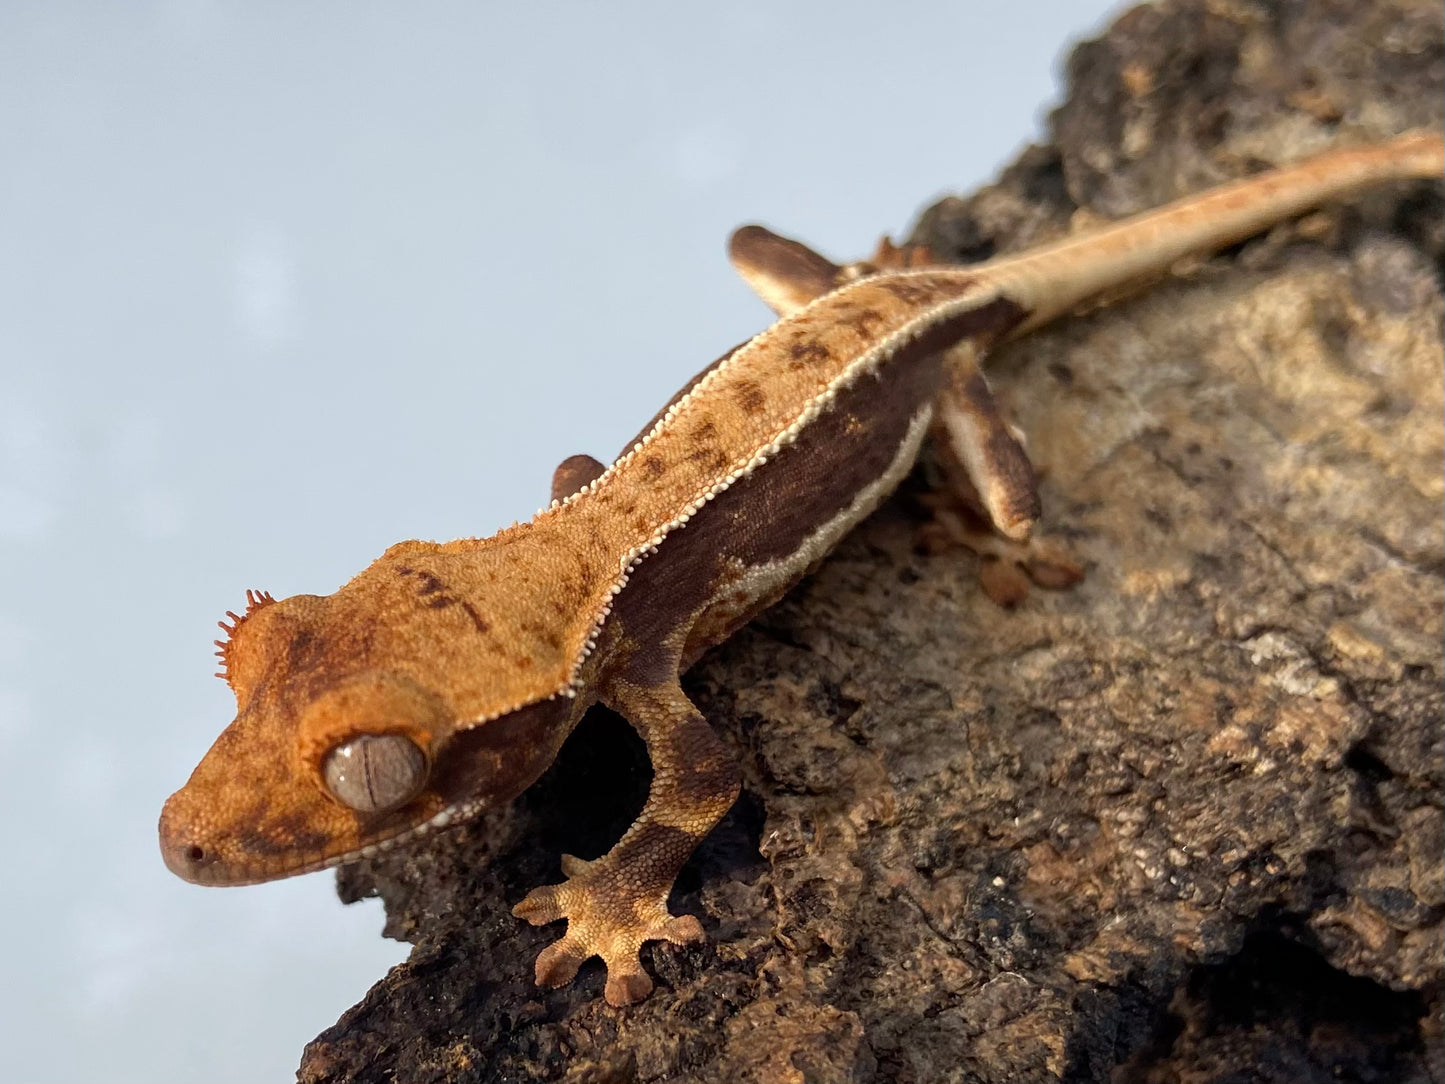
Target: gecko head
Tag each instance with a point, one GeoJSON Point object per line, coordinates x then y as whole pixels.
{"type": "Point", "coordinates": [303, 779]}
{"type": "Point", "coordinates": [319, 769]}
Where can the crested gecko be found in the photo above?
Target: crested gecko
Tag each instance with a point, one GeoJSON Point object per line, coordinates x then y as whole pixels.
{"type": "Point", "coordinates": [445, 676]}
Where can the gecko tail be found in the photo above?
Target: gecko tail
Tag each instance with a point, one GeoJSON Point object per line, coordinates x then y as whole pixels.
{"type": "Point", "coordinates": [1055, 279]}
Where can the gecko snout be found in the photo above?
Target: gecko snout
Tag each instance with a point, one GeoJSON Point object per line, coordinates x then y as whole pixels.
{"type": "Point", "coordinates": [185, 852]}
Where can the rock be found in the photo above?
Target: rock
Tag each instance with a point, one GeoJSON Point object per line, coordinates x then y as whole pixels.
{"type": "Point", "coordinates": [1180, 822]}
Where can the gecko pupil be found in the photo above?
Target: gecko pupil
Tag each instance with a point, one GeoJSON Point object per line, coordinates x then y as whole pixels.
{"type": "Point", "coordinates": [375, 772]}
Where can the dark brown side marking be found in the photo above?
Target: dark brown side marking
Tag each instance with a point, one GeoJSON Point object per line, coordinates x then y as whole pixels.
{"type": "Point", "coordinates": [768, 514]}
{"type": "Point", "coordinates": [264, 838]}
{"type": "Point", "coordinates": [503, 757]}
{"type": "Point", "coordinates": [990, 322]}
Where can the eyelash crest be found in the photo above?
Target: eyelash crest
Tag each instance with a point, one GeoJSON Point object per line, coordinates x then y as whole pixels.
{"type": "Point", "coordinates": [255, 600]}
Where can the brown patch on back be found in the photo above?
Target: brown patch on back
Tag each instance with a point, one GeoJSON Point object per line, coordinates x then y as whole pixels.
{"type": "Point", "coordinates": [807, 350]}
{"type": "Point", "coordinates": [863, 322]}
{"type": "Point", "coordinates": [750, 397]}
{"type": "Point", "coordinates": [710, 458]}
{"type": "Point", "coordinates": [911, 292]}
{"type": "Point", "coordinates": [682, 391]}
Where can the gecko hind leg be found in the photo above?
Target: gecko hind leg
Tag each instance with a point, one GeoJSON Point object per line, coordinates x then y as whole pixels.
{"type": "Point", "coordinates": [988, 480]}
{"type": "Point", "coordinates": [980, 454]}
{"type": "Point", "coordinates": [573, 473]}
{"type": "Point", "coordinates": [616, 903]}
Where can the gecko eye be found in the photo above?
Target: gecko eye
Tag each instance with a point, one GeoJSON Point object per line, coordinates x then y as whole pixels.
{"type": "Point", "coordinates": [375, 772]}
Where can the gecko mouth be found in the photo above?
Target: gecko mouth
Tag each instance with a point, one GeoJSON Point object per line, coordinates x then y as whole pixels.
{"type": "Point", "coordinates": [193, 858]}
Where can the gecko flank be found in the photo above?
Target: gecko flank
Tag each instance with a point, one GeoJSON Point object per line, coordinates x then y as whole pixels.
{"type": "Point", "coordinates": [444, 677]}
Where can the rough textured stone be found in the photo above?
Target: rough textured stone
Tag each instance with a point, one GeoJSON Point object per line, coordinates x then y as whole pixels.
{"type": "Point", "coordinates": [1180, 823]}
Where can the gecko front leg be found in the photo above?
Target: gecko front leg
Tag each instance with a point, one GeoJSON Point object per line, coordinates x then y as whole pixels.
{"type": "Point", "coordinates": [615, 903]}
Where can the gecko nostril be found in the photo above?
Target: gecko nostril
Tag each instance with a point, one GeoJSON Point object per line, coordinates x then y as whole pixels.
{"type": "Point", "coordinates": [196, 853]}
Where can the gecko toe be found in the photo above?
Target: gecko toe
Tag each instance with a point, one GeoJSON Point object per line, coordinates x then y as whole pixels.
{"type": "Point", "coordinates": [541, 906]}
{"type": "Point", "coordinates": [1002, 582]}
{"type": "Point", "coordinates": [1052, 568]}
{"type": "Point", "coordinates": [572, 866]}
{"type": "Point", "coordinates": [557, 964]}
{"type": "Point", "coordinates": [626, 987]}
{"type": "Point", "coordinates": [680, 930]}
{"type": "Point", "coordinates": [603, 920]}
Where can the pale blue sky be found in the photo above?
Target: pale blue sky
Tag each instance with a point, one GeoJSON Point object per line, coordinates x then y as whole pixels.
{"type": "Point", "coordinates": [284, 283]}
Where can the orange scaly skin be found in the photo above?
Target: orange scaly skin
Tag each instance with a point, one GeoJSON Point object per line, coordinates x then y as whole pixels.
{"type": "Point", "coordinates": [444, 677]}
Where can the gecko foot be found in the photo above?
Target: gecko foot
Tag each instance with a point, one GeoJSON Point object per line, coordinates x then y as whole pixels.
{"type": "Point", "coordinates": [1007, 567]}
{"type": "Point", "coordinates": [607, 917]}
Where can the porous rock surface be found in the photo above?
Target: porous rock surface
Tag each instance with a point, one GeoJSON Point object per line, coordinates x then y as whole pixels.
{"type": "Point", "coordinates": [1182, 822]}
